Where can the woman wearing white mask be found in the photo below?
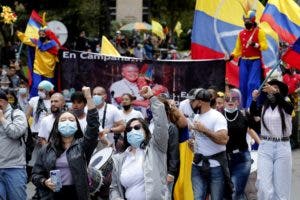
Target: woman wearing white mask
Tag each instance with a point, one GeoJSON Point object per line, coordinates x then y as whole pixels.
{"type": "Point", "coordinates": [141, 171]}
{"type": "Point", "coordinates": [237, 148]}
{"type": "Point", "coordinates": [23, 96]}
{"type": "Point", "coordinates": [68, 152]}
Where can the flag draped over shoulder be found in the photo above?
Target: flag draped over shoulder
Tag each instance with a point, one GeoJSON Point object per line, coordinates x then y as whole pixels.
{"type": "Point", "coordinates": [292, 56]}
{"type": "Point", "coordinates": [107, 48]}
{"type": "Point", "coordinates": [217, 24]}
{"type": "Point", "coordinates": [284, 17]}
{"type": "Point", "coordinates": [183, 187]}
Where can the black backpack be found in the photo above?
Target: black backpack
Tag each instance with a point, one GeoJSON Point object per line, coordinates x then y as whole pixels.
{"type": "Point", "coordinates": [28, 140]}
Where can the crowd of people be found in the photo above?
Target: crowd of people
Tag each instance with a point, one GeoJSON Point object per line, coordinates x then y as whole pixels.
{"type": "Point", "coordinates": [145, 162]}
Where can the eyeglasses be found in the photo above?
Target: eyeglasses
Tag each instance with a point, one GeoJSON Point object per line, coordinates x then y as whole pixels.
{"type": "Point", "coordinates": [135, 127]}
{"type": "Point", "coordinates": [232, 99]}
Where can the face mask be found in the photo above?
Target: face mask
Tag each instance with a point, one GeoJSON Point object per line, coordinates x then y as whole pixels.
{"type": "Point", "coordinates": [126, 107]}
{"type": "Point", "coordinates": [78, 112]}
{"type": "Point", "coordinates": [97, 100]}
{"type": "Point", "coordinates": [67, 128]}
{"type": "Point", "coordinates": [248, 25]}
{"type": "Point", "coordinates": [22, 90]}
{"type": "Point", "coordinates": [42, 39]}
{"type": "Point", "coordinates": [4, 87]}
{"type": "Point", "coordinates": [42, 95]}
{"type": "Point", "coordinates": [271, 98]}
{"type": "Point", "coordinates": [135, 138]}
{"type": "Point", "coordinates": [230, 110]}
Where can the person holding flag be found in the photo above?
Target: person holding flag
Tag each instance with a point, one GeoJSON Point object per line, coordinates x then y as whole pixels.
{"type": "Point", "coordinates": [46, 47]}
{"type": "Point", "coordinates": [249, 46]}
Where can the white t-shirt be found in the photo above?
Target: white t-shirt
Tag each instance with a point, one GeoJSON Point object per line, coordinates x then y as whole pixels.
{"type": "Point", "coordinates": [132, 114]}
{"type": "Point", "coordinates": [132, 175]}
{"type": "Point", "coordinates": [46, 126]}
{"type": "Point", "coordinates": [214, 121]}
{"type": "Point", "coordinates": [112, 116]}
{"type": "Point", "coordinates": [33, 102]}
{"type": "Point", "coordinates": [186, 108]}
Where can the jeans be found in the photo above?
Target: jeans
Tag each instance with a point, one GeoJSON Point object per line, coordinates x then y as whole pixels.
{"type": "Point", "coordinates": [239, 167]}
{"type": "Point", "coordinates": [214, 180]}
{"type": "Point", "coordinates": [274, 170]}
{"type": "Point", "coordinates": [13, 184]}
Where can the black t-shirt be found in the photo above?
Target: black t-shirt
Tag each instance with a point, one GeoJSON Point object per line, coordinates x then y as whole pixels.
{"type": "Point", "coordinates": [237, 130]}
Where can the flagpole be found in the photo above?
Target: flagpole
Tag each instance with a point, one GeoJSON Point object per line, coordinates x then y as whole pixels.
{"type": "Point", "coordinates": [269, 75]}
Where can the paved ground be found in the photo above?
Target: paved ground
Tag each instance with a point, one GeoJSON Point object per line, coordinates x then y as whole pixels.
{"type": "Point", "coordinates": [295, 183]}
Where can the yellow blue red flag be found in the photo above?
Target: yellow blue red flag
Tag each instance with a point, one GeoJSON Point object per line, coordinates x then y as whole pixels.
{"type": "Point", "coordinates": [217, 24]}
{"type": "Point", "coordinates": [284, 17]}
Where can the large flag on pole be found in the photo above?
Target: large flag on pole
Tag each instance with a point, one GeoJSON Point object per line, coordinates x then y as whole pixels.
{"type": "Point", "coordinates": [107, 48]}
{"type": "Point", "coordinates": [284, 17]}
{"type": "Point", "coordinates": [292, 56]}
{"type": "Point", "coordinates": [217, 24]}
{"type": "Point", "coordinates": [35, 22]}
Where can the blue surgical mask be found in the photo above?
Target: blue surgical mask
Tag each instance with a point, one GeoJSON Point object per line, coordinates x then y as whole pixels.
{"type": "Point", "coordinates": [135, 138]}
{"type": "Point", "coordinates": [230, 110]}
{"type": "Point", "coordinates": [67, 128]}
{"type": "Point", "coordinates": [97, 100]}
{"type": "Point", "coordinates": [22, 90]}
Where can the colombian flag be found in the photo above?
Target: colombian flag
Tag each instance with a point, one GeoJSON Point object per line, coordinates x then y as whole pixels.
{"type": "Point", "coordinates": [183, 187]}
{"type": "Point", "coordinates": [34, 24]}
{"type": "Point", "coordinates": [292, 56]}
{"type": "Point", "coordinates": [216, 26]}
{"type": "Point", "coordinates": [284, 17]}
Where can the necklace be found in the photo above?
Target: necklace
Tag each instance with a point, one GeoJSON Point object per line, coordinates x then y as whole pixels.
{"type": "Point", "coordinates": [231, 120]}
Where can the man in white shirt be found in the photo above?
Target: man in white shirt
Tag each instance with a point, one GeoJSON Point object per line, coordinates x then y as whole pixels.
{"type": "Point", "coordinates": [109, 117]}
{"type": "Point", "coordinates": [57, 105]}
{"type": "Point", "coordinates": [210, 162]}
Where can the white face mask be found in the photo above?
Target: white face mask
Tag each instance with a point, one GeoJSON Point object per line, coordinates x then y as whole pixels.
{"type": "Point", "coordinates": [230, 110]}
{"type": "Point", "coordinates": [42, 95]}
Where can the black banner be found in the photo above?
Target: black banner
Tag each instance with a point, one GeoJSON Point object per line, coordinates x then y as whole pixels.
{"type": "Point", "coordinates": [172, 77]}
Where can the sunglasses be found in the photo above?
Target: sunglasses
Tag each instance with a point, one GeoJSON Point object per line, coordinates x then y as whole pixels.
{"type": "Point", "coordinates": [135, 127]}
{"type": "Point", "coordinates": [232, 99]}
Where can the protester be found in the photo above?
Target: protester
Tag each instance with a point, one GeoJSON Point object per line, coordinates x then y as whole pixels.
{"type": "Point", "coordinates": [57, 106]}
{"type": "Point", "coordinates": [274, 165]}
{"type": "Point", "coordinates": [13, 127]}
{"type": "Point", "coordinates": [110, 119]}
{"type": "Point", "coordinates": [249, 46]}
{"type": "Point", "coordinates": [210, 167]}
{"type": "Point", "coordinates": [69, 153]}
{"type": "Point", "coordinates": [13, 77]}
{"type": "Point", "coordinates": [12, 99]}
{"type": "Point", "coordinates": [237, 148]}
{"type": "Point", "coordinates": [23, 96]}
{"type": "Point", "coordinates": [141, 172]}
{"type": "Point", "coordinates": [77, 108]}
{"type": "Point", "coordinates": [220, 101]}
{"type": "Point", "coordinates": [128, 112]}
{"type": "Point", "coordinates": [39, 106]}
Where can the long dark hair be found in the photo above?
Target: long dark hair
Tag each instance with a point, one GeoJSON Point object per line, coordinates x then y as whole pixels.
{"type": "Point", "coordinates": [55, 138]}
{"type": "Point", "coordinates": [146, 129]}
{"type": "Point", "coordinates": [266, 105]}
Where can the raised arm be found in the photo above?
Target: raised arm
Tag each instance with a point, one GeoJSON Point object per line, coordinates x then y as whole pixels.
{"type": "Point", "coordinates": [160, 132]}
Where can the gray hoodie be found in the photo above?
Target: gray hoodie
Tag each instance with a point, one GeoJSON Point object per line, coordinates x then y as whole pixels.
{"type": "Point", "coordinates": [12, 150]}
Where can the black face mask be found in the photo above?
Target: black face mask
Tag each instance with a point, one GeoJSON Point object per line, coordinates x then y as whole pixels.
{"type": "Point", "coordinates": [126, 107]}
{"type": "Point", "coordinates": [248, 25]}
{"type": "Point", "coordinates": [271, 98]}
{"type": "Point", "coordinates": [42, 39]}
{"type": "Point", "coordinates": [78, 112]}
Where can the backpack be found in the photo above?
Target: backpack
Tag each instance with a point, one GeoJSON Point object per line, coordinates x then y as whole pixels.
{"type": "Point", "coordinates": [27, 139]}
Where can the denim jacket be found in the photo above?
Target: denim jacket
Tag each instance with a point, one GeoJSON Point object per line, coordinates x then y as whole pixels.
{"type": "Point", "coordinates": [155, 164]}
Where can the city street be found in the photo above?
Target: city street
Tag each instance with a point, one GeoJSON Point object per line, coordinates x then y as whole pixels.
{"type": "Point", "coordinates": [295, 184]}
